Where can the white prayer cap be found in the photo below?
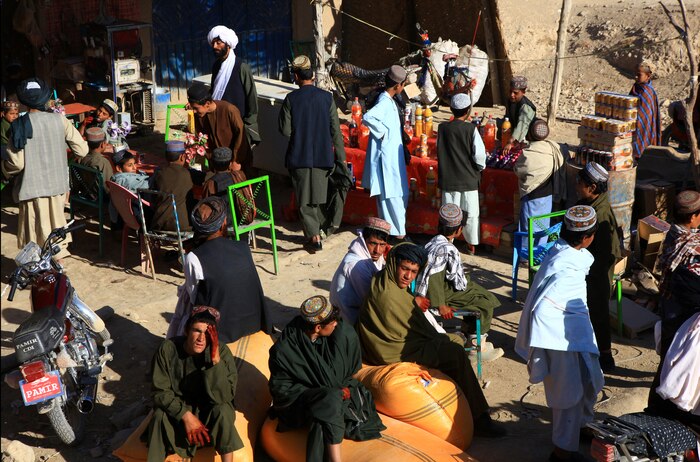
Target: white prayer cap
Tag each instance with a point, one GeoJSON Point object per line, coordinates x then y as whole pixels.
{"type": "Point", "coordinates": [460, 101]}
{"type": "Point", "coordinates": [226, 35]}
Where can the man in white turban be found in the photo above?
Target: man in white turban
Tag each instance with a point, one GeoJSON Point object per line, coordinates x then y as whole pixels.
{"type": "Point", "coordinates": [232, 80]}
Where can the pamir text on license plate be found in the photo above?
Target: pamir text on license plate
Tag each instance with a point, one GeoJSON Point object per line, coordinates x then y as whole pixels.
{"type": "Point", "coordinates": [47, 387]}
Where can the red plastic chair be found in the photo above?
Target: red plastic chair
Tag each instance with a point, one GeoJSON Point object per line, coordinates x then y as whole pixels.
{"type": "Point", "coordinates": [122, 199]}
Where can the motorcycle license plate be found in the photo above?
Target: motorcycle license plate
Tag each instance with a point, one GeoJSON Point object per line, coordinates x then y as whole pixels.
{"type": "Point", "coordinates": [47, 387]}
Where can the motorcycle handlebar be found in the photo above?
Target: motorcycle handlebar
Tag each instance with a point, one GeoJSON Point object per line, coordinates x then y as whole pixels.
{"type": "Point", "coordinates": [13, 288]}
{"type": "Point", "coordinates": [75, 227]}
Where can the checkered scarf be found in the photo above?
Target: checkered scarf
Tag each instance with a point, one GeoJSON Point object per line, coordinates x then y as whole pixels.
{"type": "Point", "coordinates": [442, 254]}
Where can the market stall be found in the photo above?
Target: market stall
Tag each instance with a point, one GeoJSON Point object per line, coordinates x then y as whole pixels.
{"type": "Point", "coordinates": [497, 190]}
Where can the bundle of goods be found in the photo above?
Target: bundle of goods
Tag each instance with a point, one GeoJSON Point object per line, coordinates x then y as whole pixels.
{"type": "Point", "coordinates": [606, 137]}
{"type": "Point", "coordinates": [497, 159]}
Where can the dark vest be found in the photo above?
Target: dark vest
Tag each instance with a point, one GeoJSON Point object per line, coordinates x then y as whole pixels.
{"type": "Point", "coordinates": [513, 110]}
{"type": "Point", "coordinates": [231, 285]}
{"type": "Point", "coordinates": [310, 145]}
{"type": "Point", "coordinates": [233, 93]}
{"type": "Point", "coordinates": [457, 170]}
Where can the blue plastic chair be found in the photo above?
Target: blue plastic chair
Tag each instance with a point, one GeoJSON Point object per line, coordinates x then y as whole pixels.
{"type": "Point", "coordinates": [533, 254]}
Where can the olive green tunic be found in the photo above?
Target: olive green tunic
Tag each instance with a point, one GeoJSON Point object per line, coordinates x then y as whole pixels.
{"type": "Point", "coordinates": [393, 329]}
{"type": "Point", "coordinates": [473, 298]}
{"type": "Point", "coordinates": [605, 249]}
{"type": "Point", "coordinates": [184, 383]}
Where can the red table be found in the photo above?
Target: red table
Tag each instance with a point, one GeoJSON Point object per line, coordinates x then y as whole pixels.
{"type": "Point", "coordinates": [497, 189]}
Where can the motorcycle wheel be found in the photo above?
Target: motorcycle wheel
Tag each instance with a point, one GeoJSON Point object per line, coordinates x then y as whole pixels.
{"type": "Point", "coordinates": [66, 420]}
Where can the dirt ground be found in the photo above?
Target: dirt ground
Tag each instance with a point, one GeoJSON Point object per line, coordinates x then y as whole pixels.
{"type": "Point", "coordinates": [143, 307]}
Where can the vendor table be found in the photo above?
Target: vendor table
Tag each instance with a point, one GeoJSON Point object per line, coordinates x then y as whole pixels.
{"type": "Point", "coordinates": [77, 111]}
{"type": "Point", "coordinates": [497, 190]}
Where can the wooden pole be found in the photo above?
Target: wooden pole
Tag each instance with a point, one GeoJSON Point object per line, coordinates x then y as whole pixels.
{"type": "Point", "coordinates": [558, 64]}
{"type": "Point", "coordinates": [321, 54]}
{"type": "Point", "coordinates": [491, 51]}
{"type": "Point", "coordinates": [689, 104]}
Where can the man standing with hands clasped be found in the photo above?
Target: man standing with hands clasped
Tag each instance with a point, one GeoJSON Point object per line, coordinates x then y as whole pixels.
{"type": "Point", "coordinates": [194, 382]}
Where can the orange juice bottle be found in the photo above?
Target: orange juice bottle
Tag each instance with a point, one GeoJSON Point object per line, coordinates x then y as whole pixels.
{"type": "Point", "coordinates": [356, 110]}
{"type": "Point", "coordinates": [428, 122]}
{"type": "Point", "coordinates": [506, 132]}
{"type": "Point", "coordinates": [418, 130]}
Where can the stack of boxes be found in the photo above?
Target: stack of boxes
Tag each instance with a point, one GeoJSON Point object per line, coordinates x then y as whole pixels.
{"type": "Point", "coordinates": [606, 137]}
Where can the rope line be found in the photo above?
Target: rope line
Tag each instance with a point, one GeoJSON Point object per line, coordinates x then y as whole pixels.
{"type": "Point", "coordinates": [419, 45]}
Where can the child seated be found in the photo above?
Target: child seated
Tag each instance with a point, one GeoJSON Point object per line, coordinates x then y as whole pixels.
{"type": "Point", "coordinates": [217, 184]}
{"type": "Point", "coordinates": [10, 112]}
{"type": "Point", "coordinates": [174, 179]}
{"type": "Point", "coordinates": [127, 175]}
{"type": "Point", "coordinates": [97, 143]}
{"type": "Point", "coordinates": [105, 113]}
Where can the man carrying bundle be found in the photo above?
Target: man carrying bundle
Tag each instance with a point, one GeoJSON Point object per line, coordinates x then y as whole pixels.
{"type": "Point", "coordinates": [311, 369]}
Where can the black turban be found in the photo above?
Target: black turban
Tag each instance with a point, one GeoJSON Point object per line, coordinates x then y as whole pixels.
{"type": "Point", "coordinates": [213, 222]}
{"type": "Point", "coordinates": [33, 93]}
{"type": "Point", "coordinates": [411, 252]}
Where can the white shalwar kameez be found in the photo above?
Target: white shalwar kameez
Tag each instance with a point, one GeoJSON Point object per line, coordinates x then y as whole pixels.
{"type": "Point", "coordinates": [385, 167]}
{"type": "Point", "coordinates": [556, 338]}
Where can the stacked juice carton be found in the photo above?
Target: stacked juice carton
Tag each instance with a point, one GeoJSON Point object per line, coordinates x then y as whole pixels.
{"type": "Point", "coordinates": [606, 137]}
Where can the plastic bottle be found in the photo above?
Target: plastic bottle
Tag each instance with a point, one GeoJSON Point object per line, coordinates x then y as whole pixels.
{"type": "Point", "coordinates": [407, 127]}
{"type": "Point", "coordinates": [506, 132]}
{"type": "Point", "coordinates": [475, 119]}
{"type": "Point", "coordinates": [428, 122]}
{"type": "Point", "coordinates": [353, 133]}
{"type": "Point", "coordinates": [356, 110]}
{"type": "Point", "coordinates": [490, 134]}
{"type": "Point", "coordinates": [431, 183]}
{"type": "Point", "coordinates": [418, 129]}
{"type": "Point", "coordinates": [424, 145]}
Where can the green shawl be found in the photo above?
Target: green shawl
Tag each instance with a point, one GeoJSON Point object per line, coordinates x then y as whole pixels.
{"type": "Point", "coordinates": [391, 327]}
{"type": "Point", "coordinates": [298, 365]}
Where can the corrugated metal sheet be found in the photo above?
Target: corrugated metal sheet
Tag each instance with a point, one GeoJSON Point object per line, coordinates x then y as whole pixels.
{"type": "Point", "coordinates": [180, 28]}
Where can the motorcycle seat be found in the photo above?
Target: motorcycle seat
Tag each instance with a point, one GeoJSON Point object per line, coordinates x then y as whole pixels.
{"type": "Point", "coordinates": [39, 333]}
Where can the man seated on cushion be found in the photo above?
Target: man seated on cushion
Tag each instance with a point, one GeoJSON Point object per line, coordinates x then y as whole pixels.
{"type": "Point", "coordinates": [194, 382]}
{"type": "Point", "coordinates": [311, 369]}
{"type": "Point", "coordinates": [393, 328]}
{"type": "Point", "coordinates": [365, 257]}
{"type": "Point", "coordinates": [444, 283]}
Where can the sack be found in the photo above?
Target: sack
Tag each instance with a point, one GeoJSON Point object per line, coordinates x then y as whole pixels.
{"type": "Point", "coordinates": [438, 407]}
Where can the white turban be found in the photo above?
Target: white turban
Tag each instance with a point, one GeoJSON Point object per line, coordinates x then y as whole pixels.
{"type": "Point", "coordinates": [228, 36]}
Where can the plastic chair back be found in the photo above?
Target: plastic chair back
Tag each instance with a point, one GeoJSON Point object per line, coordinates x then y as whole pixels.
{"type": "Point", "coordinates": [164, 236]}
{"type": "Point", "coordinates": [263, 218]}
{"type": "Point", "coordinates": [533, 254]}
{"type": "Point", "coordinates": [87, 188]}
{"type": "Point", "coordinates": [122, 199]}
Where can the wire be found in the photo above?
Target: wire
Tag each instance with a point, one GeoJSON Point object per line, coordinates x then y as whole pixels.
{"type": "Point", "coordinates": [493, 60]}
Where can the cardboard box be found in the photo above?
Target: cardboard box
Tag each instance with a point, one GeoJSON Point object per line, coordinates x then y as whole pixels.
{"type": "Point", "coordinates": [651, 232]}
{"type": "Point", "coordinates": [599, 136]}
{"type": "Point", "coordinates": [654, 197]}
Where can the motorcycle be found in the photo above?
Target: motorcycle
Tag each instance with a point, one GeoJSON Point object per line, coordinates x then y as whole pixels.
{"type": "Point", "coordinates": [56, 348]}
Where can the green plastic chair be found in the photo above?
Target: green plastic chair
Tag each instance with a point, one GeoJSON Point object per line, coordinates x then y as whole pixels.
{"type": "Point", "coordinates": [87, 188]}
{"type": "Point", "coordinates": [263, 218]}
{"type": "Point", "coordinates": [167, 118]}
